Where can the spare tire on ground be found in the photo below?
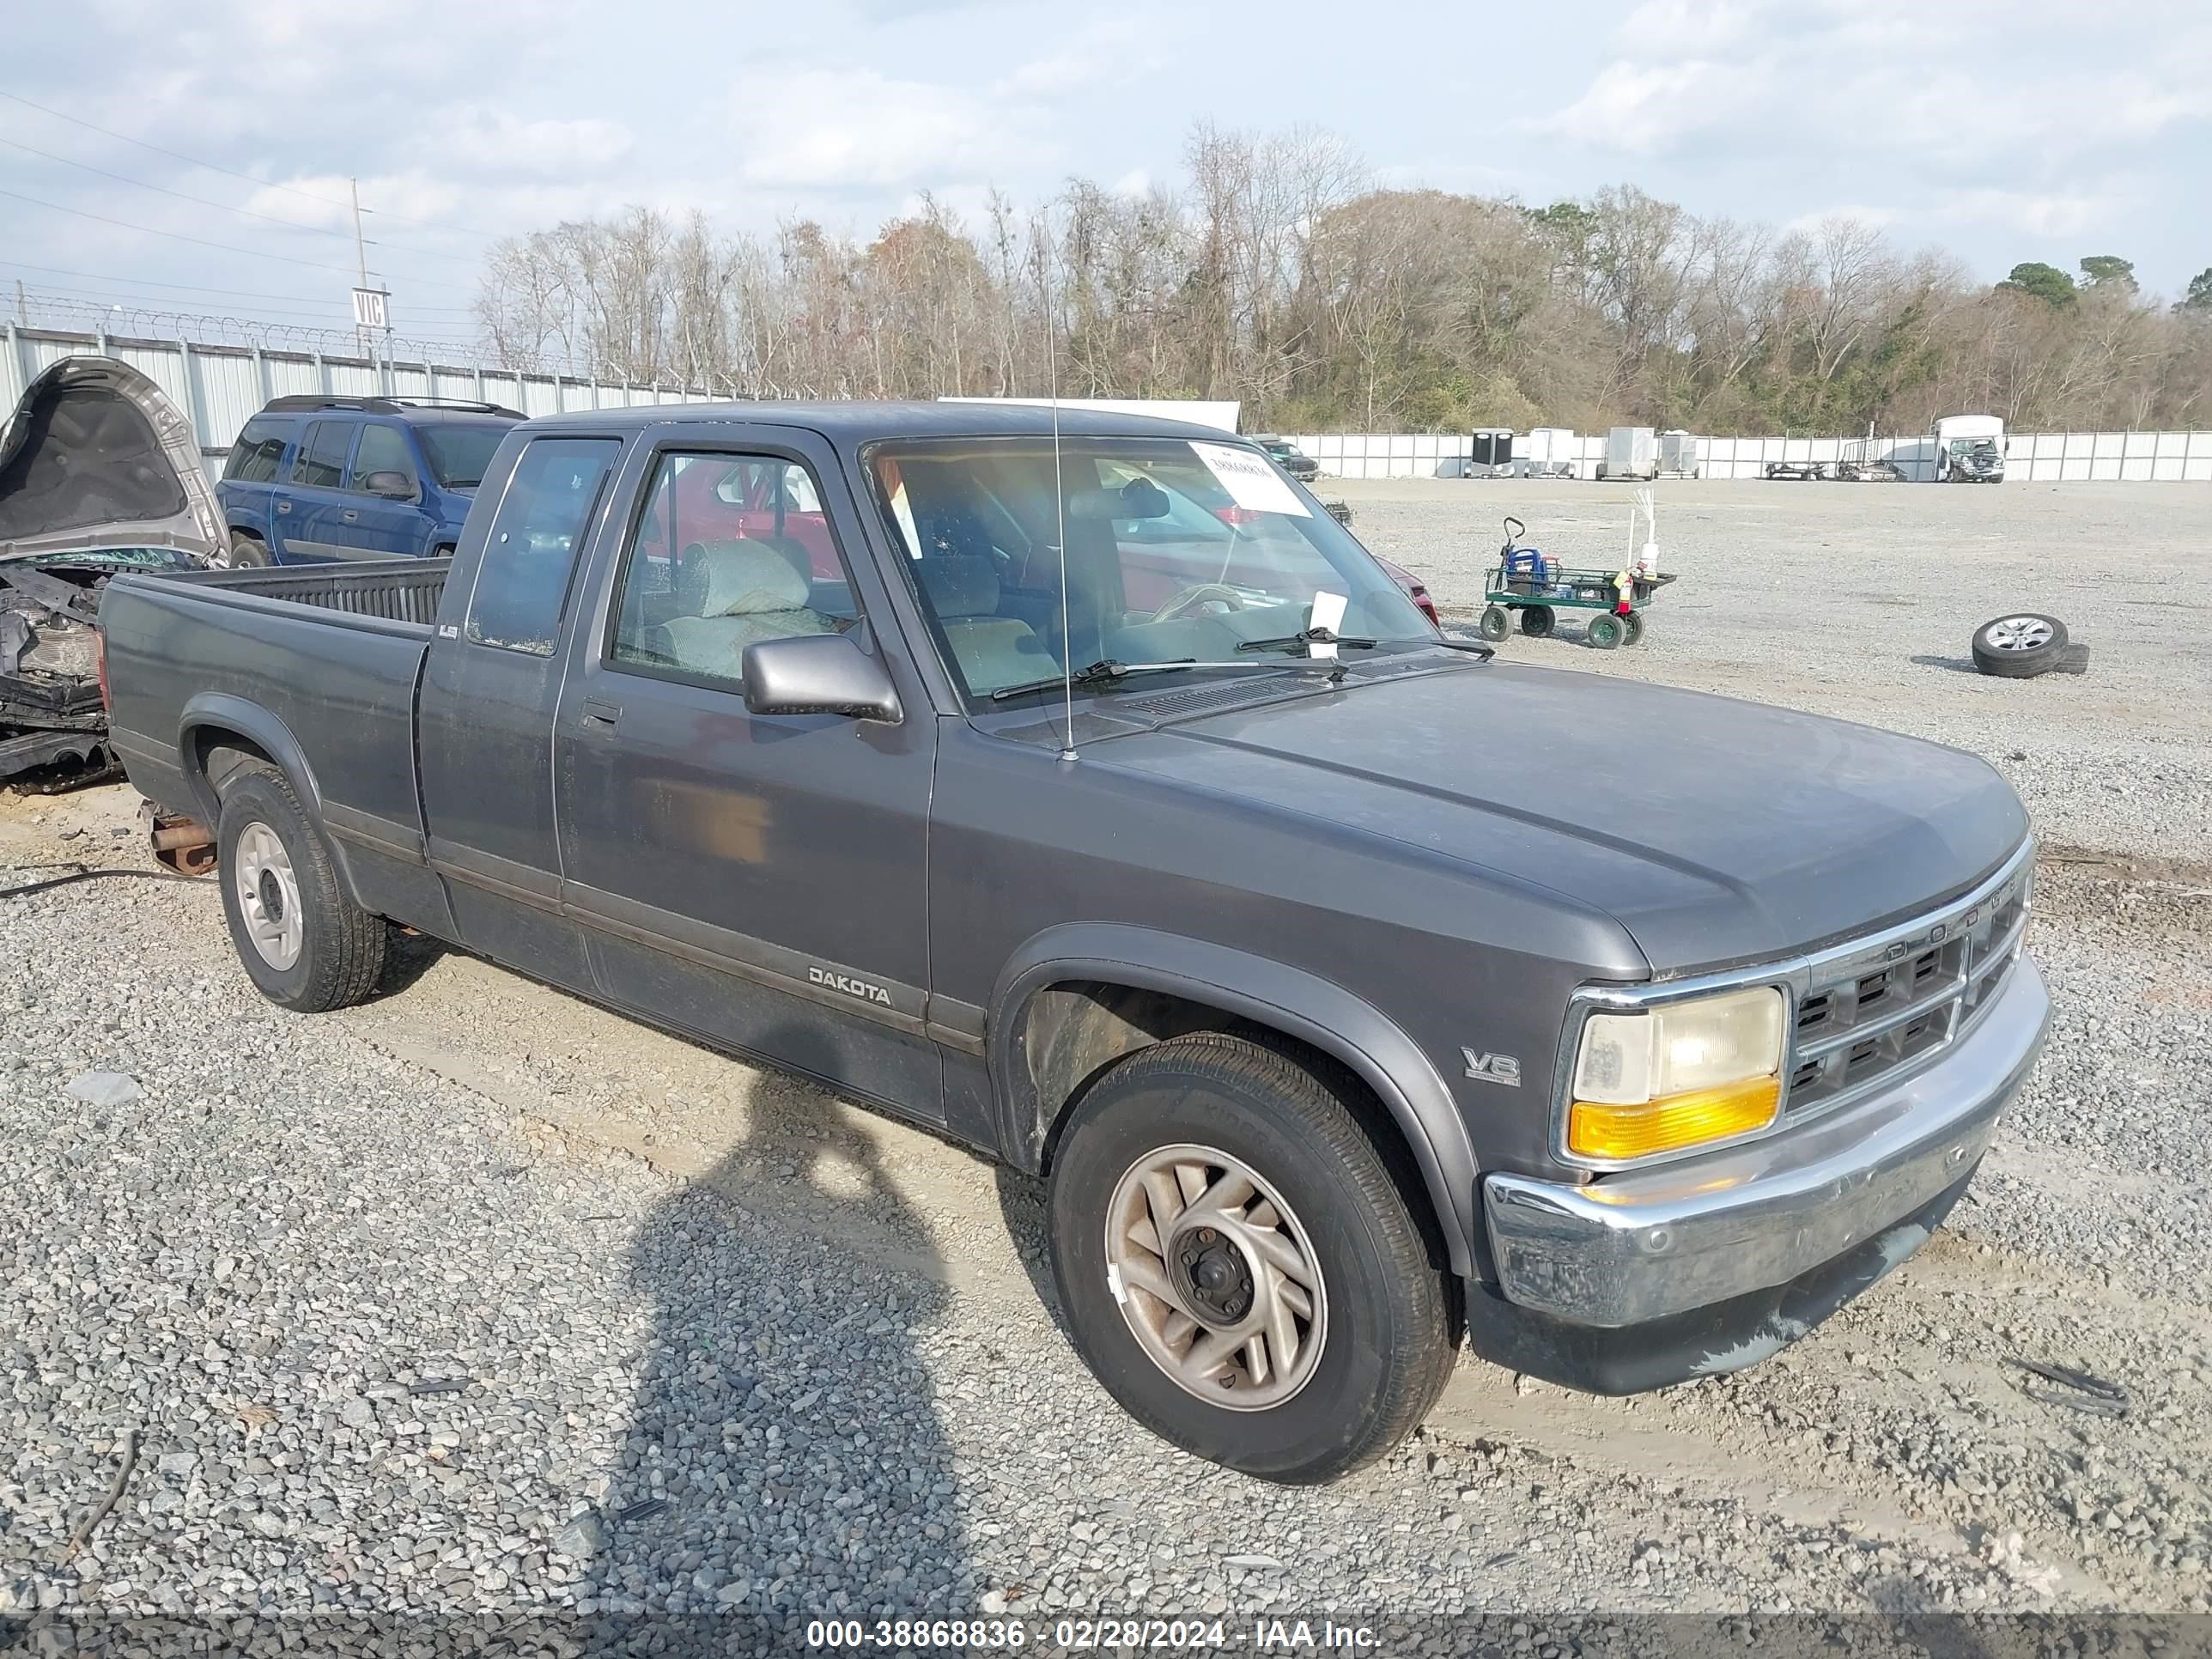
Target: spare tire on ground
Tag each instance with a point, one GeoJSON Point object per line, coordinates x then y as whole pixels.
{"type": "Point", "coordinates": [2020, 646]}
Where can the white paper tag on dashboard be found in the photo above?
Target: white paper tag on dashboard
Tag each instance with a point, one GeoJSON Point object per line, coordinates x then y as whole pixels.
{"type": "Point", "coordinates": [1327, 612]}
{"type": "Point", "coordinates": [1250, 481]}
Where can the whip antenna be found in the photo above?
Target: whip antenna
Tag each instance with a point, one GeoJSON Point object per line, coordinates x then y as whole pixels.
{"type": "Point", "coordinates": [1059, 492]}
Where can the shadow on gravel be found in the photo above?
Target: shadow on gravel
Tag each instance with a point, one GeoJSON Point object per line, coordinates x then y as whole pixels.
{"type": "Point", "coordinates": [406, 959]}
{"type": "Point", "coordinates": [1022, 1208]}
{"type": "Point", "coordinates": [783, 1460]}
{"type": "Point", "coordinates": [1957, 665]}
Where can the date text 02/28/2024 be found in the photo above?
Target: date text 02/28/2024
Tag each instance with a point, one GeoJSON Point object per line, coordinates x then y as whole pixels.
{"type": "Point", "coordinates": [1084, 1634]}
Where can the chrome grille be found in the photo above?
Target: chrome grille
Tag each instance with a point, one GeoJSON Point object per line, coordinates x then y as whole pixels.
{"type": "Point", "coordinates": [1864, 1009]}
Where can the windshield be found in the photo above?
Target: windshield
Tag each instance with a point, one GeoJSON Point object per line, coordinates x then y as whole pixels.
{"type": "Point", "coordinates": [1175, 551]}
{"type": "Point", "coordinates": [460, 451]}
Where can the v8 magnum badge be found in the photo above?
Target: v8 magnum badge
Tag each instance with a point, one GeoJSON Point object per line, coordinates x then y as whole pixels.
{"type": "Point", "coordinates": [1493, 1068]}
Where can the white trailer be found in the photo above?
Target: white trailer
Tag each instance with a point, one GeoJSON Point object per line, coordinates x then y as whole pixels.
{"type": "Point", "coordinates": [1551, 451]}
{"type": "Point", "coordinates": [1631, 452]}
{"type": "Point", "coordinates": [1681, 455]}
{"type": "Point", "coordinates": [1969, 448]}
{"type": "Point", "coordinates": [1490, 452]}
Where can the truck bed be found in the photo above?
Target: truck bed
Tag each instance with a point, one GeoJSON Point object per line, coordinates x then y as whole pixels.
{"type": "Point", "coordinates": [316, 666]}
{"type": "Point", "coordinates": [395, 590]}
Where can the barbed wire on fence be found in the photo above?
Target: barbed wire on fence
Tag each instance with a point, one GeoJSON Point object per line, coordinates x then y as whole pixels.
{"type": "Point", "coordinates": [200, 328]}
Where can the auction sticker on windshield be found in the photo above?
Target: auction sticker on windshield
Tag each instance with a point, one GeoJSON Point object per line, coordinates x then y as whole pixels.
{"type": "Point", "coordinates": [1249, 480]}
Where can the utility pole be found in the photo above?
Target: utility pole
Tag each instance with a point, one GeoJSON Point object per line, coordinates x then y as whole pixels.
{"type": "Point", "coordinates": [23, 310]}
{"type": "Point", "coordinates": [360, 260]}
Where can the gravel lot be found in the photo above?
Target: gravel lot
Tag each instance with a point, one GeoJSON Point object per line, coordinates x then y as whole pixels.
{"type": "Point", "coordinates": [411, 1308]}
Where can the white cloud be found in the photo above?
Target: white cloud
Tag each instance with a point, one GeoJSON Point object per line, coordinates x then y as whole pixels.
{"type": "Point", "coordinates": [2038, 214]}
{"type": "Point", "coordinates": [847, 130]}
{"type": "Point", "coordinates": [498, 141]}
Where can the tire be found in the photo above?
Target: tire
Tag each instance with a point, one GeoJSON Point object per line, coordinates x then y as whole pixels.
{"type": "Point", "coordinates": [1492, 625]}
{"type": "Point", "coordinates": [2020, 646]}
{"type": "Point", "coordinates": [304, 945]}
{"type": "Point", "coordinates": [1383, 1315]}
{"type": "Point", "coordinates": [249, 552]}
{"type": "Point", "coordinates": [1536, 621]}
{"type": "Point", "coordinates": [1605, 631]}
{"type": "Point", "coordinates": [1633, 629]}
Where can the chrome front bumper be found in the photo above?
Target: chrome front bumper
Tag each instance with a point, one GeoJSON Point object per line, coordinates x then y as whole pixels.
{"type": "Point", "coordinates": [1642, 1246]}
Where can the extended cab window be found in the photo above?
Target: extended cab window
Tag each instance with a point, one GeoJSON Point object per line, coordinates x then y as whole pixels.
{"type": "Point", "coordinates": [381, 449]}
{"type": "Point", "coordinates": [254, 457]}
{"type": "Point", "coordinates": [321, 461]}
{"type": "Point", "coordinates": [522, 580]}
{"type": "Point", "coordinates": [730, 549]}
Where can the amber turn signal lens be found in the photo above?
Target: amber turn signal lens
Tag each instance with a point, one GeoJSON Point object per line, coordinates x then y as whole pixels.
{"type": "Point", "coordinates": [1618, 1133]}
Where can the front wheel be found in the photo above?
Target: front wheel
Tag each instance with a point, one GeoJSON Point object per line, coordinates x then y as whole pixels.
{"type": "Point", "coordinates": [1605, 632]}
{"type": "Point", "coordinates": [1492, 625]}
{"type": "Point", "coordinates": [1632, 627]}
{"type": "Point", "coordinates": [1239, 1264]}
{"type": "Point", "coordinates": [304, 945]}
{"type": "Point", "coordinates": [1536, 621]}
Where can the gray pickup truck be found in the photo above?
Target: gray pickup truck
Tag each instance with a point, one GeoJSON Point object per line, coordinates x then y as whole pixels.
{"type": "Point", "coordinates": [1090, 795]}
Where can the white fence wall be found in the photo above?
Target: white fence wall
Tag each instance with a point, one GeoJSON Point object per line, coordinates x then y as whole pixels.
{"type": "Point", "coordinates": [220, 386]}
{"type": "Point", "coordinates": [2033, 457]}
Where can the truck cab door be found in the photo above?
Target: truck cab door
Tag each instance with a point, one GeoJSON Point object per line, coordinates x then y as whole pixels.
{"type": "Point", "coordinates": [491, 685]}
{"type": "Point", "coordinates": [758, 881]}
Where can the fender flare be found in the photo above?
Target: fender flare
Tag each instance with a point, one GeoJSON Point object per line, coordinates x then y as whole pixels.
{"type": "Point", "coordinates": [1301, 1005]}
{"type": "Point", "coordinates": [257, 726]}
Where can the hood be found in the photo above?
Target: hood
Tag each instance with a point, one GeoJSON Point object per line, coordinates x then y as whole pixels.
{"type": "Point", "coordinates": [95, 455]}
{"type": "Point", "coordinates": [1717, 832]}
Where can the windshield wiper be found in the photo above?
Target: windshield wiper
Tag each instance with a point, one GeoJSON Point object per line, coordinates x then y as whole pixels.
{"type": "Point", "coordinates": [1309, 637]}
{"type": "Point", "coordinates": [1109, 672]}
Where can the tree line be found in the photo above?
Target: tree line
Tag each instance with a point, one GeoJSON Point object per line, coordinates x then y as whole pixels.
{"type": "Point", "coordinates": [1277, 272]}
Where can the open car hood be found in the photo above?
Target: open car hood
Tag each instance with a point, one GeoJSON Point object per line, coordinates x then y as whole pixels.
{"type": "Point", "coordinates": [96, 456]}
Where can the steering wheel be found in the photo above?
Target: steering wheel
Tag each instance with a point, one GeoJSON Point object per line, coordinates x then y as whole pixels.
{"type": "Point", "coordinates": [1191, 598]}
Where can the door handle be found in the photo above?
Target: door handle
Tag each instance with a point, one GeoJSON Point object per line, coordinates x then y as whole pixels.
{"type": "Point", "coordinates": [283, 507]}
{"type": "Point", "coordinates": [598, 712]}
{"type": "Point", "coordinates": [349, 515]}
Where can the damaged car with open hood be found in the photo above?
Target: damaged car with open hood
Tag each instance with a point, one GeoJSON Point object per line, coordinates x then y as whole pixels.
{"type": "Point", "coordinates": [100, 473]}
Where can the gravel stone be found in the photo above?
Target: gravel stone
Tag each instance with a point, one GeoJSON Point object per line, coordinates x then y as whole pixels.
{"type": "Point", "coordinates": [103, 1089]}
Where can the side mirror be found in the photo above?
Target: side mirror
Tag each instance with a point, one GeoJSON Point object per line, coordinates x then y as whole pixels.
{"type": "Point", "coordinates": [392, 486]}
{"type": "Point", "coordinates": [817, 674]}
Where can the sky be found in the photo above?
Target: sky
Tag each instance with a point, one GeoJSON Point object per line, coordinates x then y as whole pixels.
{"type": "Point", "coordinates": [1998, 132]}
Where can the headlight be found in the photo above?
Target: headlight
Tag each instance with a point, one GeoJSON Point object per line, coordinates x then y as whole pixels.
{"type": "Point", "coordinates": [1676, 1076]}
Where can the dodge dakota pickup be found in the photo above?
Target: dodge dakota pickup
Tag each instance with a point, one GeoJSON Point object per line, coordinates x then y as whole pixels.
{"type": "Point", "coordinates": [1083, 791]}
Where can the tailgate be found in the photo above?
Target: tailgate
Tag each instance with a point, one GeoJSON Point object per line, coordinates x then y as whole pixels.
{"type": "Point", "coordinates": [310, 665]}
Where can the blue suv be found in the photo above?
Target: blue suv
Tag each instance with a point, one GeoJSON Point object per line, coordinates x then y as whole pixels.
{"type": "Point", "coordinates": [312, 479]}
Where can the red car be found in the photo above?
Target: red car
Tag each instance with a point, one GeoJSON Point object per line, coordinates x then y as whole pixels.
{"type": "Point", "coordinates": [1414, 591]}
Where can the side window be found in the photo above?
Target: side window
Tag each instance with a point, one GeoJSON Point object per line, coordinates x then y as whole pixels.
{"type": "Point", "coordinates": [522, 580]}
{"type": "Point", "coordinates": [255, 456]}
{"type": "Point", "coordinates": [320, 463]}
{"type": "Point", "coordinates": [730, 549]}
{"type": "Point", "coordinates": [381, 449]}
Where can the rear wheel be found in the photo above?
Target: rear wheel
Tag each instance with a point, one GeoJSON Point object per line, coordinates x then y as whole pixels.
{"type": "Point", "coordinates": [304, 945]}
{"type": "Point", "coordinates": [1605, 632]}
{"type": "Point", "coordinates": [1536, 621]}
{"type": "Point", "coordinates": [249, 552]}
{"type": "Point", "coordinates": [1632, 627]}
{"type": "Point", "coordinates": [1239, 1264]}
{"type": "Point", "coordinates": [1492, 625]}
